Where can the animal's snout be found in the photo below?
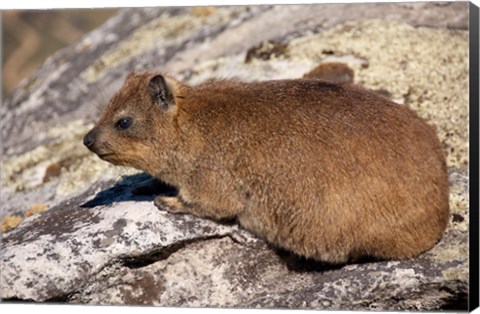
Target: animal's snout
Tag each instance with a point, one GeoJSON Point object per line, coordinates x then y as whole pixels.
{"type": "Point", "coordinates": [90, 138]}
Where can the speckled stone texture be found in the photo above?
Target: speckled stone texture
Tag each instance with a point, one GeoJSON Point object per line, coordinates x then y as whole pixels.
{"type": "Point", "coordinates": [100, 244]}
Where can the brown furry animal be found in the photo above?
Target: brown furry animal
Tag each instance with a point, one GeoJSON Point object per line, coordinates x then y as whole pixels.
{"type": "Point", "coordinates": [334, 72]}
{"type": "Point", "coordinates": [331, 172]}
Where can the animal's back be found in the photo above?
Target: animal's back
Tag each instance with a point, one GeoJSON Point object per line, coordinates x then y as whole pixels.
{"type": "Point", "coordinates": [329, 171]}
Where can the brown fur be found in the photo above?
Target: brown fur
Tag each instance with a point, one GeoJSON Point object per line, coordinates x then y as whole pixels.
{"type": "Point", "coordinates": [331, 172]}
{"type": "Point", "coordinates": [335, 72]}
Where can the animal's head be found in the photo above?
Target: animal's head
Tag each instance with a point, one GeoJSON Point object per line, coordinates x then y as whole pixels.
{"type": "Point", "coordinates": [138, 124]}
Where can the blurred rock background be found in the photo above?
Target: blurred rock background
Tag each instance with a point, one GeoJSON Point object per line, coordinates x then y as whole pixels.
{"type": "Point", "coordinates": [29, 37]}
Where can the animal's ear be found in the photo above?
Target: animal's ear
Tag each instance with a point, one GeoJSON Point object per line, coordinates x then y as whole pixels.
{"type": "Point", "coordinates": [161, 92]}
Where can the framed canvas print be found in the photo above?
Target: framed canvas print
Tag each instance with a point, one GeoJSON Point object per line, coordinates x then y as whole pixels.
{"type": "Point", "coordinates": [319, 156]}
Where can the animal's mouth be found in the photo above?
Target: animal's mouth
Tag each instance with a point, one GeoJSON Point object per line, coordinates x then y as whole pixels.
{"type": "Point", "coordinates": [104, 155]}
{"type": "Point", "coordinates": [112, 158]}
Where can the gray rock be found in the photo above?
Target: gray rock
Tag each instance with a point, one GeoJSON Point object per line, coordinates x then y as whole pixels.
{"type": "Point", "coordinates": [80, 237]}
{"type": "Point", "coordinates": [100, 244]}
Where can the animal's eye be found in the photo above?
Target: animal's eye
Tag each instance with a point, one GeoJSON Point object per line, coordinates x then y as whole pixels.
{"type": "Point", "coordinates": [124, 123]}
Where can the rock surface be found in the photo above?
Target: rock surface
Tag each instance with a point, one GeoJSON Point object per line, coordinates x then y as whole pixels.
{"type": "Point", "coordinates": [98, 243]}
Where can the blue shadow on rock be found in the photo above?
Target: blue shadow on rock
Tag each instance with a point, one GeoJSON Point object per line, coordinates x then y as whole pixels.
{"type": "Point", "coordinates": [138, 187]}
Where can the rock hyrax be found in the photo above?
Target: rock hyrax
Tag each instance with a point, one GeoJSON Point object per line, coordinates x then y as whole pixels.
{"type": "Point", "coordinates": [330, 172]}
{"type": "Point", "coordinates": [334, 72]}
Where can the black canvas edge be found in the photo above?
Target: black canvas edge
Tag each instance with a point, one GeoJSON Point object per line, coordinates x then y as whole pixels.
{"type": "Point", "coordinates": [473, 294]}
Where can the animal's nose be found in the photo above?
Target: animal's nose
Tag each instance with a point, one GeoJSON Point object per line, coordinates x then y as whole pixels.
{"type": "Point", "coordinates": [89, 138]}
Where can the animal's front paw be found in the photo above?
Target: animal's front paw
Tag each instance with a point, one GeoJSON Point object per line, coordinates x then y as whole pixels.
{"type": "Point", "coordinates": [171, 204]}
